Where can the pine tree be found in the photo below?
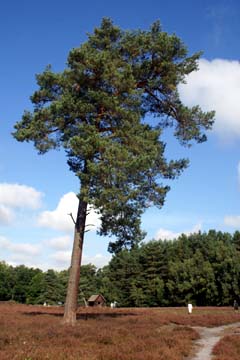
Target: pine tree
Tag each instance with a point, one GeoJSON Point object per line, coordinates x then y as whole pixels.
{"type": "Point", "coordinates": [97, 111]}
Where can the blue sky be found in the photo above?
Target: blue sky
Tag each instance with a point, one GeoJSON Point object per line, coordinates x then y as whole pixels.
{"type": "Point", "coordinates": [37, 192]}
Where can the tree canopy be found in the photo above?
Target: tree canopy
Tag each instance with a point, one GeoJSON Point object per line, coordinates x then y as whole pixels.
{"type": "Point", "coordinates": [94, 110]}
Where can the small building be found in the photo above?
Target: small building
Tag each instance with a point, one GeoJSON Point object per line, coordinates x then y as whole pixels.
{"type": "Point", "coordinates": [96, 300]}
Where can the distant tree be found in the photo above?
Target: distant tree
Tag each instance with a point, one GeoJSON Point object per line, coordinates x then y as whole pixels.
{"type": "Point", "coordinates": [63, 277]}
{"type": "Point", "coordinates": [22, 280]}
{"type": "Point", "coordinates": [46, 287]}
{"type": "Point", "coordinates": [36, 290]}
{"type": "Point", "coordinates": [6, 282]}
{"type": "Point", "coordinates": [97, 111]}
{"type": "Point", "coordinates": [52, 288]}
{"type": "Point", "coordinates": [88, 285]}
{"type": "Point", "coordinates": [105, 285]}
{"type": "Point", "coordinates": [154, 259]}
{"type": "Point", "coordinates": [236, 240]}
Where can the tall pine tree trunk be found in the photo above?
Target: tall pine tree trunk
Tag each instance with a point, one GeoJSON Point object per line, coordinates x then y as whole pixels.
{"type": "Point", "coordinates": [70, 312]}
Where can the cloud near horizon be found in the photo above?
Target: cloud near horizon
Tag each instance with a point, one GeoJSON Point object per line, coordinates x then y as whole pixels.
{"type": "Point", "coordinates": [54, 253]}
{"type": "Point", "coordinates": [19, 250]}
{"type": "Point", "coordinates": [62, 259]}
{"type": "Point", "coordinates": [232, 221]}
{"type": "Point", "coordinates": [164, 234]}
{"type": "Point", "coordinates": [215, 86]}
{"type": "Point", "coordinates": [59, 243]}
{"type": "Point", "coordinates": [59, 218]}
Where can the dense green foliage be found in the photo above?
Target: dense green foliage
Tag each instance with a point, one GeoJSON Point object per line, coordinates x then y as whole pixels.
{"type": "Point", "coordinates": [33, 286]}
{"type": "Point", "coordinates": [203, 268]}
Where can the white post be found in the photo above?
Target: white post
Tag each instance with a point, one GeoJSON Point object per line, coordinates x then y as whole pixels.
{"type": "Point", "coordinates": [190, 307]}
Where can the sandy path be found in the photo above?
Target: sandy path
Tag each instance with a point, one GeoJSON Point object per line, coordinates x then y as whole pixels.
{"type": "Point", "coordinates": [208, 339]}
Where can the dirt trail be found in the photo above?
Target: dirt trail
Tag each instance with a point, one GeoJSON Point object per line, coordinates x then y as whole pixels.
{"type": "Point", "coordinates": [208, 339]}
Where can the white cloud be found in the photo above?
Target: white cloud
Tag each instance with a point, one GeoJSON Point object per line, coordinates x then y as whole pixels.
{"type": "Point", "coordinates": [19, 196]}
{"type": "Point", "coordinates": [164, 234]}
{"type": "Point", "coordinates": [17, 249]}
{"type": "Point", "coordinates": [38, 256]}
{"type": "Point", "coordinates": [232, 220]}
{"type": "Point", "coordinates": [99, 260]}
{"type": "Point", "coordinates": [21, 259]}
{"type": "Point", "coordinates": [62, 259]}
{"type": "Point", "coordinates": [215, 86]}
{"type": "Point", "coordinates": [4, 242]}
{"type": "Point", "coordinates": [15, 196]}
{"type": "Point", "coordinates": [59, 243]}
{"type": "Point", "coordinates": [59, 218]}
{"type": "Point", "coordinates": [6, 215]}
{"type": "Point", "coordinates": [28, 262]}
{"type": "Point", "coordinates": [25, 248]}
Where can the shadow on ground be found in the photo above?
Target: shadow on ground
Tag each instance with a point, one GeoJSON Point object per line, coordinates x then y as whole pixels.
{"type": "Point", "coordinates": [83, 316]}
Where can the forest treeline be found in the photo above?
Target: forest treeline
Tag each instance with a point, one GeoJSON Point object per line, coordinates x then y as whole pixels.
{"type": "Point", "coordinates": [202, 268]}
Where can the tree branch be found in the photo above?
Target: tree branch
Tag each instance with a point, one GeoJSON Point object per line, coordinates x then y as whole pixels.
{"type": "Point", "coordinates": [72, 218]}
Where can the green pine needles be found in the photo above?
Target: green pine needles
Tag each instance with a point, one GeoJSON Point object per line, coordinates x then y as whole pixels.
{"type": "Point", "coordinates": [95, 109]}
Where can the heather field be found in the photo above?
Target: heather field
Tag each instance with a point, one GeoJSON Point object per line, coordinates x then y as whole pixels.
{"type": "Point", "coordinates": [36, 333]}
{"type": "Point", "coordinates": [228, 348]}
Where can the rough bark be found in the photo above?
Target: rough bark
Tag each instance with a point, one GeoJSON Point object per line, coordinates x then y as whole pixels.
{"type": "Point", "coordinates": [70, 312]}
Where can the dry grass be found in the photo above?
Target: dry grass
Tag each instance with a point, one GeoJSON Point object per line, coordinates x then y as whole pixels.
{"type": "Point", "coordinates": [36, 333]}
{"type": "Point", "coordinates": [228, 348]}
